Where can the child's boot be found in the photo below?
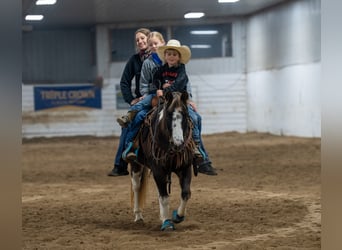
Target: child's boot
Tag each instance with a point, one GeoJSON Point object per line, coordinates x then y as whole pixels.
{"type": "Point", "coordinates": [124, 120]}
{"type": "Point", "coordinates": [206, 168]}
{"type": "Point", "coordinates": [200, 165]}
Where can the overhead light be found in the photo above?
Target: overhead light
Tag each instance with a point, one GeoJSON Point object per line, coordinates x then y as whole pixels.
{"type": "Point", "coordinates": [228, 1]}
{"type": "Point", "coordinates": [34, 17]}
{"type": "Point", "coordinates": [200, 46]}
{"type": "Point", "coordinates": [46, 2]}
{"type": "Point", "coordinates": [203, 32]}
{"type": "Point", "coordinates": [194, 15]}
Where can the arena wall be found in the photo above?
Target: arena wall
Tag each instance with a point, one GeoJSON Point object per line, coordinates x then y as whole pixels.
{"type": "Point", "coordinates": [270, 84]}
{"type": "Point", "coordinates": [284, 70]}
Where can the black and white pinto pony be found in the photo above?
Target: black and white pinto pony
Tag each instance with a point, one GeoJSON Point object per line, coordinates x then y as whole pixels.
{"type": "Point", "coordinates": [165, 147]}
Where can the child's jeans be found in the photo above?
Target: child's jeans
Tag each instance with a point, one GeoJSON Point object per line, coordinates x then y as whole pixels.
{"type": "Point", "coordinates": [143, 104]}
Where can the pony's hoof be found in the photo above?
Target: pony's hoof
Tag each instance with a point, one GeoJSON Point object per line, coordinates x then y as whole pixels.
{"type": "Point", "coordinates": [167, 225]}
{"type": "Point", "coordinates": [176, 218]}
{"type": "Point", "coordinates": [139, 221]}
{"type": "Point", "coordinates": [138, 218]}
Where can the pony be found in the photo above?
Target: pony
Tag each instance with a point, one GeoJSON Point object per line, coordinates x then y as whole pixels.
{"type": "Point", "coordinates": [165, 146]}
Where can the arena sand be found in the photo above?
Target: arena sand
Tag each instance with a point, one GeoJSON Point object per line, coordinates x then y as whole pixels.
{"type": "Point", "coordinates": [267, 195]}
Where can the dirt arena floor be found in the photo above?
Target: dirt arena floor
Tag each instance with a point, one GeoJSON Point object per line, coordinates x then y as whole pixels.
{"type": "Point", "coordinates": [266, 196]}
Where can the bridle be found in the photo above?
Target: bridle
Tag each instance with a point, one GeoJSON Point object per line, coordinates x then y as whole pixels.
{"type": "Point", "coordinates": [173, 149]}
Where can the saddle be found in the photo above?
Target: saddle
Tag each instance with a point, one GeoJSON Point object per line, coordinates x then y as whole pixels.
{"type": "Point", "coordinates": [157, 101]}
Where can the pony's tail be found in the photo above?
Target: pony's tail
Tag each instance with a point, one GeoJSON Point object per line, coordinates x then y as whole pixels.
{"type": "Point", "coordinates": [143, 188]}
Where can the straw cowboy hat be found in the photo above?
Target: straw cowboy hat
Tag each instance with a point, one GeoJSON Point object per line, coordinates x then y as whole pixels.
{"type": "Point", "coordinates": [184, 50]}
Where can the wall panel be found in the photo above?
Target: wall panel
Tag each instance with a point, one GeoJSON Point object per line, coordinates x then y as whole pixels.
{"type": "Point", "coordinates": [58, 56]}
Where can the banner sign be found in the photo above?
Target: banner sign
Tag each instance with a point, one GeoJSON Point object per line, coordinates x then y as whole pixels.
{"type": "Point", "coordinates": [58, 96]}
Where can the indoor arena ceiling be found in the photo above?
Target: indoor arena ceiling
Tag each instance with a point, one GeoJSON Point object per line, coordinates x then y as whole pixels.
{"type": "Point", "coordinates": [76, 13]}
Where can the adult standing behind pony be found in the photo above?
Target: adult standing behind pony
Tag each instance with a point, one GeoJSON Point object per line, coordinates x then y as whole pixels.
{"type": "Point", "coordinates": [131, 70]}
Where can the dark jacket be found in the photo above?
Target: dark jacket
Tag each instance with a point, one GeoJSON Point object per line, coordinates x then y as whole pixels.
{"type": "Point", "coordinates": [176, 76]}
{"type": "Point", "coordinates": [132, 69]}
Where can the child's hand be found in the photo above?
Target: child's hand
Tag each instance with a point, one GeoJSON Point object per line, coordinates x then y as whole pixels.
{"type": "Point", "coordinates": [134, 101]}
{"type": "Point", "coordinates": [193, 105]}
{"type": "Point", "coordinates": [165, 85]}
{"type": "Point", "coordinates": [159, 92]}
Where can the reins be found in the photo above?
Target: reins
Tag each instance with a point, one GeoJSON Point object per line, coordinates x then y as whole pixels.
{"type": "Point", "coordinates": [154, 136]}
{"type": "Point", "coordinates": [156, 158]}
{"type": "Point", "coordinates": [155, 129]}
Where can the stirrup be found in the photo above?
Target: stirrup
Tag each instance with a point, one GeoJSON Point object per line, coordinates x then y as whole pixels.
{"type": "Point", "coordinates": [198, 160]}
{"type": "Point", "coordinates": [126, 151]}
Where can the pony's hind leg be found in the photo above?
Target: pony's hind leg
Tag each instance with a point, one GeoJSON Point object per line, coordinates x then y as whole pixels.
{"type": "Point", "coordinates": [136, 186]}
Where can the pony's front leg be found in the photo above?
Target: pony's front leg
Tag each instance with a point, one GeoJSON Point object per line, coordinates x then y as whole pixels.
{"type": "Point", "coordinates": [164, 213]}
{"type": "Point", "coordinates": [178, 215]}
{"type": "Point", "coordinates": [161, 180]}
{"type": "Point", "coordinates": [136, 185]}
{"type": "Point", "coordinates": [164, 208]}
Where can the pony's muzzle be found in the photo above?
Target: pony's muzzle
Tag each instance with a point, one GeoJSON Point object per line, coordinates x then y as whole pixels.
{"type": "Point", "coordinates": [178, 141]}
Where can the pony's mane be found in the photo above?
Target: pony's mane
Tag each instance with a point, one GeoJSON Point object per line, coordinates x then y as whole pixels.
{"type": "Point", "coordinates": [175, 102]}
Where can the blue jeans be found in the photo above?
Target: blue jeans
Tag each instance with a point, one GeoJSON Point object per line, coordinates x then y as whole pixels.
{"type": "Point", "coordinates": [134, 126]}
{"type": "Point", "coordinates": [143, 104]}
{"type": "Point", "coordinates": [197, 131]}
{"type": "Point", "coordinates": [142, 107]}
{"type": "Point", "coordinates": [195, 117]}
{"type": "Point", "coordinates": [118, 160]}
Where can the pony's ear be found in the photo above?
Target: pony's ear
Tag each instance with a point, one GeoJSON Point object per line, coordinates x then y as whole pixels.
{"type": "Point", "coordinates": [185, 97]}
{"type": "Point", "coordinates": [168, 96]}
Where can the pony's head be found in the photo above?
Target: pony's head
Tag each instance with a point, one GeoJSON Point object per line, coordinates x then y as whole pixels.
{"type": "Point", "coordinates": [176, 117]}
